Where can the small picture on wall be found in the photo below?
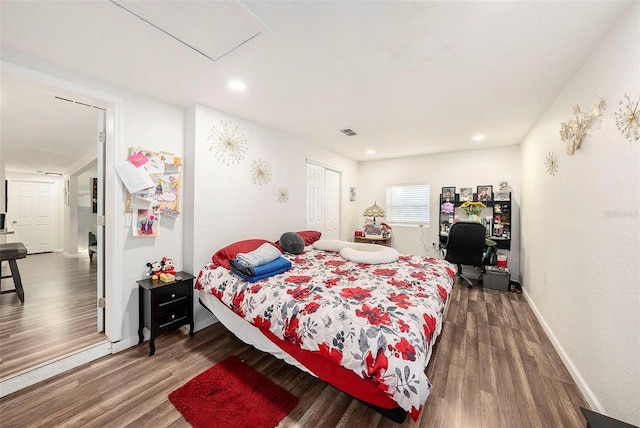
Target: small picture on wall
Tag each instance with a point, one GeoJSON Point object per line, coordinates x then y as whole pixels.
{"type": "Point", "coordinates": [485, 193]}
{"type": "Point", "coordinates": [352, 194]}
{"type": "Point", "coordinates": [448, 194]}
{"type": "Point", "coordinates": [466, 194]}
{"type": "Point", "coordinates": [146, 224]}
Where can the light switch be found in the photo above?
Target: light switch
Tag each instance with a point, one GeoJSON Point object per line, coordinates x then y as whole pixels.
{"type": "Point", "coordinates": [127, 219]}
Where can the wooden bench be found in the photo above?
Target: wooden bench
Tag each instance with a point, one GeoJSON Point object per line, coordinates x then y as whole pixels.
{"type": "Point", "coordinates": [12, 252]}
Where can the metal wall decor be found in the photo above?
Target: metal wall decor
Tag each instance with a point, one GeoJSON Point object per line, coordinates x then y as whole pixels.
{"type": "Point", "coordinates": [283, 195]}
{"type": "Point", "coordinates": [228, 144]}
{"type": "Point", "coordinates": [628, 119]}
{"type": "Point", "coordinates": [260, 172]}
{"type": "Point", "coordinates": [551, 163]}
{"type": "Point", "coordinates": [574, 131]}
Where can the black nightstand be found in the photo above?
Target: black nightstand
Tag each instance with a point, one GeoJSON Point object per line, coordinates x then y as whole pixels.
{"type": "Point", "coordinates": [165, 306]}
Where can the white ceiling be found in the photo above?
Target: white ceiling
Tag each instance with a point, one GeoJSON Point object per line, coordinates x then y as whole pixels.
{"type": "Point", "coordinates": [408, 77]}
{"type": "Point", "coordinates": [46, 130]}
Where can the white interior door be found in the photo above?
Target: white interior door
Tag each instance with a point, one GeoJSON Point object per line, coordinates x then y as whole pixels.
{"type": "Point", "coordinates": [315, 198]}
{"type": "Point", "coordinates": [323, 201]}
{"type": "Point", "coordinates": [332, 207]}
{"type": "Point", "coordinates": [32, 215]}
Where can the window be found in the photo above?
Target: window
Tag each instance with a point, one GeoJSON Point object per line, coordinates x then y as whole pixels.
{"type": "Point", "coordinates": [408, 204]}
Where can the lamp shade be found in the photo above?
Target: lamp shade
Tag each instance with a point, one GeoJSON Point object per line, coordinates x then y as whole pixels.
{"type": "Point", "coordinates": [374, 211]}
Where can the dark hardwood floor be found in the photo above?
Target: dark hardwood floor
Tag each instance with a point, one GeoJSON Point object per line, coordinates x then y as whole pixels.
{"type": "Point", "coordinates": [58, 316]}
{"type": "Point", "coordinates": [493, 367]}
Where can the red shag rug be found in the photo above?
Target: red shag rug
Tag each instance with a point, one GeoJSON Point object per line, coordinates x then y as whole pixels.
{"type": "Point", "coordinates": [232, 394]}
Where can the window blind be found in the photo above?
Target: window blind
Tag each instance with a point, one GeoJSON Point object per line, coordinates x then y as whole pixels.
{"type": "Point", "coordinates": [408, 204]}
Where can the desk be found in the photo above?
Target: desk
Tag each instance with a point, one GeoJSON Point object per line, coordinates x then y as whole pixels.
{"type": "Point", "coordinates": [369, 240]}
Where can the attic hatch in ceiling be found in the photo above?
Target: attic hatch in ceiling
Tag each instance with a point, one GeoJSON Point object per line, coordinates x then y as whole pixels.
{"type": "Point", "coordinates": [211, 28]}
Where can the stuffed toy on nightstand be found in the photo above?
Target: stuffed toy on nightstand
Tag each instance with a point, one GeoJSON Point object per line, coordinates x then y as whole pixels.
{"type": "Point", "coordinates": [155, 269]}
{"type": "Point", "coordinates": [167, 266]}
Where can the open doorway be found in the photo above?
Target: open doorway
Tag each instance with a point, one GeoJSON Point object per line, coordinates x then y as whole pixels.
{"type": "Point", "coordinates": [63, 285]}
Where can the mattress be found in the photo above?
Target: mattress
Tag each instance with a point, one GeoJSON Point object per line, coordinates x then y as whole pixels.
{"type": "Point", "coordinates": [329, 316]}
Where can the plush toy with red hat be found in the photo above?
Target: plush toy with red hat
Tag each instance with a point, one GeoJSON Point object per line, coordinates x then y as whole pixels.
{"type": "Point", "coordinates": [168, 266]}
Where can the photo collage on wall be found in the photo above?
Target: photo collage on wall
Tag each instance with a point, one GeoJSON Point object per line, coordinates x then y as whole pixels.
{"type": "Point", "coordinates": [160, 172]}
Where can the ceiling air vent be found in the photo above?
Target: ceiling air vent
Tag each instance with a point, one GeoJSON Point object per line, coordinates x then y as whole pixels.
{"type": "Point", "coordinates": [348, 132]}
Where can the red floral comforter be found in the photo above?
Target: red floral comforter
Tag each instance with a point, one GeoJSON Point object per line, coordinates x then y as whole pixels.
{"type": "Point", "coordinates": [379, 321]}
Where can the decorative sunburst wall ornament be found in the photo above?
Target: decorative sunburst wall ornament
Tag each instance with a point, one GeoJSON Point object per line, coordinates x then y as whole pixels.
{"type": "Point", "coordinates": [551, 163]}
{"type": "Point", "coordinates": [628, 119]}
{"type": "Point", "coordinates": [283, 195]}
{"type": "Point", "coordinates": [574, 131]}
{"type": "Point", "coordinates": [260, 172]}
{"type": "Point", "coordinates": [227, 143]}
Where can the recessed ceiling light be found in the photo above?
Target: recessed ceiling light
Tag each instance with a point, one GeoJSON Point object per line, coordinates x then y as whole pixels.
{"type": "Point", "coordinates": [371, 152]}
{"type": "Point", "coordinates": [478, 137]}
{"type": "Point", "coordinates": [237, 85]}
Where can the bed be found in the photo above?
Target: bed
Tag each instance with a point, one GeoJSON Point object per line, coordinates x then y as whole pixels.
{"type": "Point", "coordinates": [367, 329]}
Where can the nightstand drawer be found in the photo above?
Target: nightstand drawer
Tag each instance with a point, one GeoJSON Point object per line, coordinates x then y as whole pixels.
{"type": "Point", "coordinates": [174, 314]}
{"type": "Point", "coordinates": [173, 294]}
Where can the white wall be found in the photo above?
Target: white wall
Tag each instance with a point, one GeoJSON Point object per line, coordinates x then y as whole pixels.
{"type": "Point", "coordinates": [581, 230]}
{"type": "Point", "coordinates": [228, 206]}
{"type": "Point", "coordinates": [155, 126]}
{"type": "Point", "coordinates": [460, 169]}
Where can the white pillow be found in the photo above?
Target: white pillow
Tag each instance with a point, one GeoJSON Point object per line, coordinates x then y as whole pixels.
{"type": "Point", "coordinates": [373, 254]}
{"type": "Point", "coordinates": [333, 245]}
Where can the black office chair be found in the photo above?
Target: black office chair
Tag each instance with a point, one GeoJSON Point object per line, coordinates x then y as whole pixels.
{"type": "Point", "coordinates": [465, 246]}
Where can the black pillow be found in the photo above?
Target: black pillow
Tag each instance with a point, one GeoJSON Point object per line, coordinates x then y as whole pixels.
{"type": "Point", "coordinates": [292, 243]}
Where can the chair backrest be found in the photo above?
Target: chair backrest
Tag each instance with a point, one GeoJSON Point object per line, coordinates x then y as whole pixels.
{"type": "Point", "coordinates": [92, 239]}
{"type": "Point", "coordinates": [466, 242]}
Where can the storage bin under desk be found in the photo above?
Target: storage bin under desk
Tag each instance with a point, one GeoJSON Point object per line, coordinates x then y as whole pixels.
{"type": "Point", "coordinates": [496, 278]}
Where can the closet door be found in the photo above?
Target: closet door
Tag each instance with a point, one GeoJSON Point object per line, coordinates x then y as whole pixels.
{"type": "Point", "coordinates": [332, 206]}
{"type": "Point", "coordinates": [323, 201]}
{"type": "Point", "coordinates": [315, 198]}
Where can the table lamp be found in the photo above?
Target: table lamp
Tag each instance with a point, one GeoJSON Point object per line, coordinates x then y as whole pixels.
{"type": "Point", "coordinates": [374, 211]}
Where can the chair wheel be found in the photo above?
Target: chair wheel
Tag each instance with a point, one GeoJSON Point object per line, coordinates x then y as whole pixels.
{"type": "Point", "coordinates": [469, 286]}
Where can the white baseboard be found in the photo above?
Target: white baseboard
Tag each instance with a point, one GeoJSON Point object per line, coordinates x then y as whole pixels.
{"type": "Point", "coordinates": [71, 255]}
{"type": "Point", "coordinates": [573, 371]}
{"type": "Point", "coordinates": [133, 341]}
{"type": "Point", "coordinates": [124, 344]}
{"type": "Point", "coordinates": [29, 377]}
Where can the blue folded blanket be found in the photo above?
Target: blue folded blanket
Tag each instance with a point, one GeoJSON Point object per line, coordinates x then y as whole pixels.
{"type": "Point", "coordinates": [265, 253]}
{"type": "Point", "coordinates": [274, 267]}
{"type": "Point", "coordinates": [259, 277]}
